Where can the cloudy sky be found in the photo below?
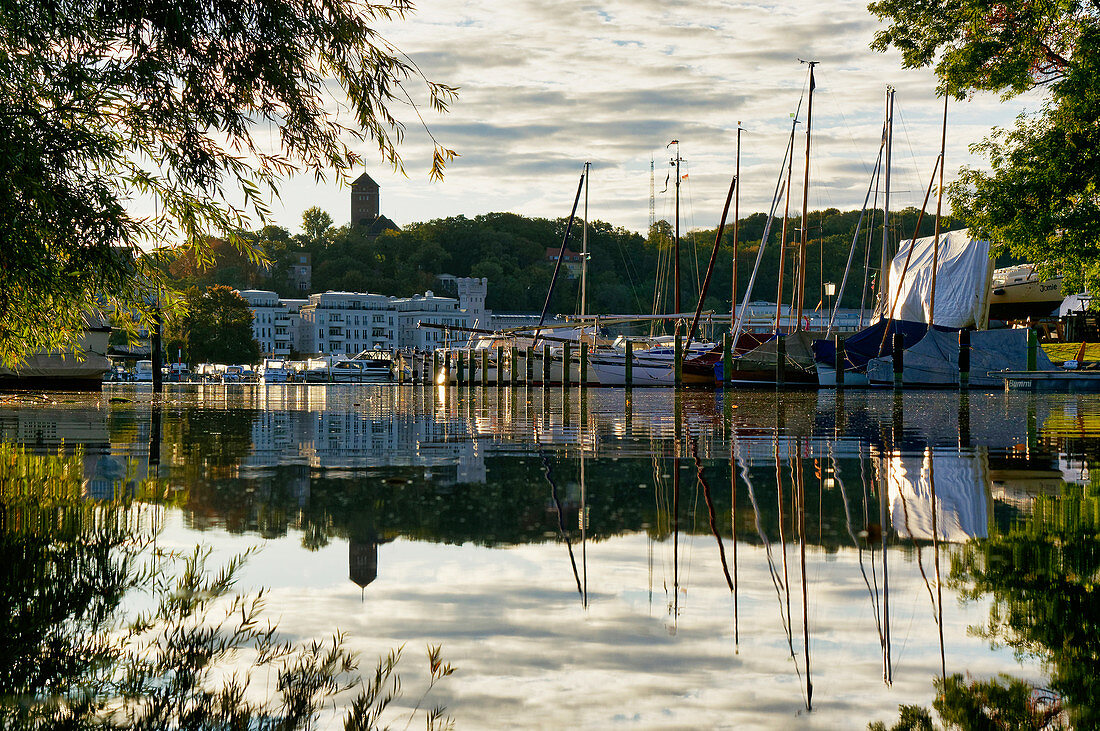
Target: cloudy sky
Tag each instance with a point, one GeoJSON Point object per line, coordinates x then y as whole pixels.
{"type": "Point", "coordinates": [548, 85]}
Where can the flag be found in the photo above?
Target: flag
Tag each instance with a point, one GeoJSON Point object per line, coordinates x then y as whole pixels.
{"type": "Point", "coordinates": [684, 176]}
{"type": "Point", "coordinates": [812, 84]}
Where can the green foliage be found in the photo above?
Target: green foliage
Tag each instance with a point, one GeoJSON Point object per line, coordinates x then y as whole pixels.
{"type": "Point", "coordinates": [215, 328]}
{"type": "Point", "coordinates": [315, 226]}
{"type": "Point", "coordinates": [511, 251]}
{"type": "Point", "coordinates": [171, 102]}
{"type": "Point", "coordinates": [202, 657]}
{"type": "Point", "coordinates": [1040, 201]}
{"type": "Point", "coordinates": [997, 704]}
{"type": "Point", "coordinates": [982, 45]}
{"type": "Point", "coordinates": [1042, 577]}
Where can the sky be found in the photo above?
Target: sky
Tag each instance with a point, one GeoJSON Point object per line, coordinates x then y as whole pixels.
{"type": "Point", "coordinates": [545, 86]}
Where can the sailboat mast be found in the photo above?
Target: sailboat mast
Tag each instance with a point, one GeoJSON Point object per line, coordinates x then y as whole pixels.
{"type": "Point", "coordinates": [805, 201]}
{"type": "Point", "coordinates": [676, 247]}
{"type": "Point", "coordinates": [584, 252]}
{"type": "Point", "coordinates": [783, 235]}
{"type": "Point", "coordinates": [736, 229]}
{"type": "Point", "coordinates": [884, 267]}
{"type": "Point", "coordinates": [939, 207]}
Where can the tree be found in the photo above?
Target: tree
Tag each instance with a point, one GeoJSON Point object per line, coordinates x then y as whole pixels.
{"type": "Point", "coordinates": [171, 102]}
{"type": "Point", "coordinates": [1041, 199]}
{"type": "Point", "coordinates": [315, 225]}
{"type": "Point", "coordinates": [216, 328]}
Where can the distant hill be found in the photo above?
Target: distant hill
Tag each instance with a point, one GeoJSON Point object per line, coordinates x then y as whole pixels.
{"type": "Point", "coordinates": [626, 270]}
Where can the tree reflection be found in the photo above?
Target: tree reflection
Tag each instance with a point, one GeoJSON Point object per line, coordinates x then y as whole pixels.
{"type": "Point", "coordinates": [1042, 576]}
{"type": "Point", "coordinates": [71, 656]}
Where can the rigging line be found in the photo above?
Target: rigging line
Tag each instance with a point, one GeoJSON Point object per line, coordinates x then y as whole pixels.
{"type": "Point", "coordinates": [911, 173]}
{"type": "Point", "coordinates": [867, 251]}
{"type": "Point", "coordinates": [852, 534]}
{"type": "Point", "coordinates": [913, 540]}
{"type": "Point", "coordinates": [694, 230]}
{"type": "Point", "coordinates": [763, 240]}
{"type": "Point", "coordinates": [561, 520]}
{"type": "Point", "coordinates": [776, 582]}
{"type": "Point", "coordinates": [855, 236]}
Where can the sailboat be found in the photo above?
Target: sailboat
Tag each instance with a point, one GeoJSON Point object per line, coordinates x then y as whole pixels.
{"type": "Point", "coordinates": [785, 358]}
{"type": "Point", "coordinates": [934, 298]}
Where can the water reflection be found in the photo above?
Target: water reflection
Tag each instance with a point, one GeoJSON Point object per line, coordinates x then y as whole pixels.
{"type": "Point", "coordinates": [816, 531]}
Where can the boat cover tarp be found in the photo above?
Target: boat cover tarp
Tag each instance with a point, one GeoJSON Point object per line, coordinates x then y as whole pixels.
{"type": "Point", "coordinates": [798, 347]}
{"type": "Point", "coordinates": [869, 343]}
{"type": "Point", "coordinates": [961, 499]}
{"type": "Point", "coordinates": [963, 276]}
{"type": "Point", "coordinates": [935, 359]}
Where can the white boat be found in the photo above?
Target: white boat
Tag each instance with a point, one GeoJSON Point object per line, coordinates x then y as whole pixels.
{"type": "Point", "coordinates": [273, 370]}
{"type": "Point", "coordinates": [143, 371]}
{"type": "Point", "coordinates": [1017, 293]}
{"type": "Point", "coordinates": [654, 365]}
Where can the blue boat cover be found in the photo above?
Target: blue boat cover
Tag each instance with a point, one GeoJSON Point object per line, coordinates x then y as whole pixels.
{"type": "Point", "coordinates": [870, 342]}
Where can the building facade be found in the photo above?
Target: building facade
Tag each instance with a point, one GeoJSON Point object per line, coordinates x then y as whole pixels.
{"type": "Point", "coordinates": [471, 293]}
{"type": "Point", "coordinates": [347, 323]}
{"type": "Point", "coordinates": [429, 309]}
{"type": "Point", "coordinates": [270, 322]}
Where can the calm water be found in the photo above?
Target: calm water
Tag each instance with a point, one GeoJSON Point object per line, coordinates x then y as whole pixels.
{"type": "Point", "coordinates": [807, 560]}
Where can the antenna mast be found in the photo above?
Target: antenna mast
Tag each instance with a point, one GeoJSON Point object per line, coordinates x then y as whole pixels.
{"type": "Point", "coordinates": [652, 199]}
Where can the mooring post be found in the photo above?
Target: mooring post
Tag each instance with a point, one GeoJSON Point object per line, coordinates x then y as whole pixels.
{"type": "Point", "coordinates": [584, 365]}
{"type": "Point", "coordinates": [964, 359]}
{"type": "Point", "coordinates": [1032, 349]}
{"type": "Point", "coordinates": [727, 357]}
{"type": "Point", "coordinates": [546, 365]}
{"type": "Point", "coordinates": [484, 367]}
{"type": "Point", "coordinates": [629, 376]}
{"type": "Point", "coordinates": [460, 374]}
{"type": "Point", "coordinates": [500, 366]}
{"type": "Point", "coordinates": [513, 364]}
{"type": "Point", "coordinates": [528, 366]}
{"type": "Point", "coordinates": [780, 360]}
{"type": "Point", "coordinates": [566, 363]}
{"type": "Point", "coordinates": [155, 343]}
{"type": "Point", "coordinates": [840, 361]}
{"type": "Point", "coordinates": [899, 359]}
{"type": "Point", "coordinates": [679, 357]}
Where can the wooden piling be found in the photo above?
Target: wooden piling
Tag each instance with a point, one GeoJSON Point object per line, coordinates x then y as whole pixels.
{"type": "Point", "coordinates": [566, 363]}
{"type": "Point", "coordinates": [484, 367]}
{"type": "Point", "coordinates": [899, 359]}
{"type": "Point", "coordinates": [727, 357]}
{"type": "Point", "coordinates": [679, 353]}
{"type": "Point", "coordinates": [545, 365]}
{"type": "Point", "coordinates": [780, 360]}
{"type": "Point", "coordinates": [964, 359]}
{"type": "Point", "coordinates": [839, 359]}
{"type": "Point", "coordinates": [629, 376]}
{"type": "Point", "coordinates": [584, 365]}
{"type": "Point", "coordinates": [1032, 349]}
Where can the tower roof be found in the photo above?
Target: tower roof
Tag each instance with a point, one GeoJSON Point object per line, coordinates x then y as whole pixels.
{"type": "Point", "coordinates": [365, 180]}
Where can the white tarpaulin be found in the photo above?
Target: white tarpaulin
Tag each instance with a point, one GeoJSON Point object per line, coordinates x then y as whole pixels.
{"type": "Point", "coordinates": [961, 498]}
{"type": "Point", "coordinates": [963, 277]}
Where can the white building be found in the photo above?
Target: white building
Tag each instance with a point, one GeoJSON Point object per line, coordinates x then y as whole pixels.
{"type": "Point", "coordinates": [348, 322]}
{"type": "Point", "coordinates": [270, 322]}
{"type": "Point", "coordinates": [471, 293]}
{"type": "Point", "coordinates": [428, 308]}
